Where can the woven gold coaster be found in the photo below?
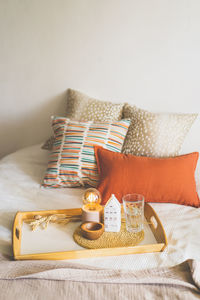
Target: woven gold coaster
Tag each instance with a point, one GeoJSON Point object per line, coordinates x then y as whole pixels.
{"type": "Point", "coordinates": [109, 239]}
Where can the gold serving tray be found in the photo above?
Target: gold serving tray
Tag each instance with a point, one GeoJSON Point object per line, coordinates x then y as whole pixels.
{"type": "Point", "coordinates": [150, 216]}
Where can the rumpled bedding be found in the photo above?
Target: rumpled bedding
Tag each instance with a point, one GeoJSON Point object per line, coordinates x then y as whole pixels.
{"type": "Point", "coordinates": [21, 175]}
{"type": "Point", "coordinates": [64, 280]}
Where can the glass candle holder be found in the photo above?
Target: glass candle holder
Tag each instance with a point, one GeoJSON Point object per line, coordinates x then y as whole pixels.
{"type": "Point", "coordinates": [91, 199]}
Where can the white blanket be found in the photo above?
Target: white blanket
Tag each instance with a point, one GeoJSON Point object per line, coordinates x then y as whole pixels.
{"type": "Point", "coordinates": [21, 175]}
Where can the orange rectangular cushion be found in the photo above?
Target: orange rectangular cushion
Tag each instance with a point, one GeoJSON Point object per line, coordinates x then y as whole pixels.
{"type": "Point", "coordinates": [158, 179]}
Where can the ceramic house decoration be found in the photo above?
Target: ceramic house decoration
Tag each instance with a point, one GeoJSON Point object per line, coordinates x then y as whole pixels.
{"type": "Point", "coordinates": [112, 215]}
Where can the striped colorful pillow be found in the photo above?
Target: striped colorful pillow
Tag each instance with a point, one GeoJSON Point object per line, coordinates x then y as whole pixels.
{"type": "Point", "coordinates": [72, 161]}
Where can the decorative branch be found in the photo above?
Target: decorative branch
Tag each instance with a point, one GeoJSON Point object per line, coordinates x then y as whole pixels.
{"type": "Point", "coordinates": [43, 222]}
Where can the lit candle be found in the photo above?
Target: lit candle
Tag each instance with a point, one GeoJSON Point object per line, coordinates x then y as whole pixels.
{"type": "Point", "coordinates": [91, 210]}
{"type": "Point", "coordinates": [91, 198]}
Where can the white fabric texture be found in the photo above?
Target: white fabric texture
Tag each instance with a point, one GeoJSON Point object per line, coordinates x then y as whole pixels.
{"type": "Point", "coordinates": [21, 174]}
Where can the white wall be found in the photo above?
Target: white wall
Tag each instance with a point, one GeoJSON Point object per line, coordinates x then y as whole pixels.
{"type": "Point", "coordinates": [146, 52]}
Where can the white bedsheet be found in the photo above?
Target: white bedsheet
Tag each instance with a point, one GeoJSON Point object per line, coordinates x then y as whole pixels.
{"type": "Point", "coordinates": [21, 175]}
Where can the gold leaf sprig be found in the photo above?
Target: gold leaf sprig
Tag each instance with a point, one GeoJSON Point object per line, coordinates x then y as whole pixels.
{"type": "Point", "coordinates": [43, 222]}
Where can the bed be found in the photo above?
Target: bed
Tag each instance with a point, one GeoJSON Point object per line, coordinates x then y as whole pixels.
{"type": "Point", "coordinates": [169, 272]}
{"type": "Point", "coordinates": [125, 140]}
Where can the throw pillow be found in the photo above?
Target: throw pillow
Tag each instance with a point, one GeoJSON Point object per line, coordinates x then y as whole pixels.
{"type": "Point", "coordinates": [81, 107]}
{"type": "Point", "coordinates": [155, 134]}
{"type": "Point", "coordinates": [158, 179]}
{"type": "Point", "coordinates": [192, 144]}
{"type": "Point", "coordinates": [72, 161]}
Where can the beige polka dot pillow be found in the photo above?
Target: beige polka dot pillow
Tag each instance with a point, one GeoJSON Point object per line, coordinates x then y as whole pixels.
{"type": "Point", "coordinates": [85, 108]}
{"type": "Point", "coordinates": [155, 134]}
{"type": "Point", "coordinates": [81, 107]}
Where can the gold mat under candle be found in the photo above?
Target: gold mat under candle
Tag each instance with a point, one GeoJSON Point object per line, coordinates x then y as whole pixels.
{"type": "Point", "coordinates": [110, 239]}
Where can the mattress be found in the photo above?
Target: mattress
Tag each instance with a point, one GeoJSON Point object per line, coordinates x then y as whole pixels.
{"type": "Point", "coordinates": [21, 175]}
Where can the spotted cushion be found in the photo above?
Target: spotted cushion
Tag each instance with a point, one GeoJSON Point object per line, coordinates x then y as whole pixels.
{"type": "Point", "coordinates": [85, 108]}
{"type": "Point", "coordinates": [155, 134]}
